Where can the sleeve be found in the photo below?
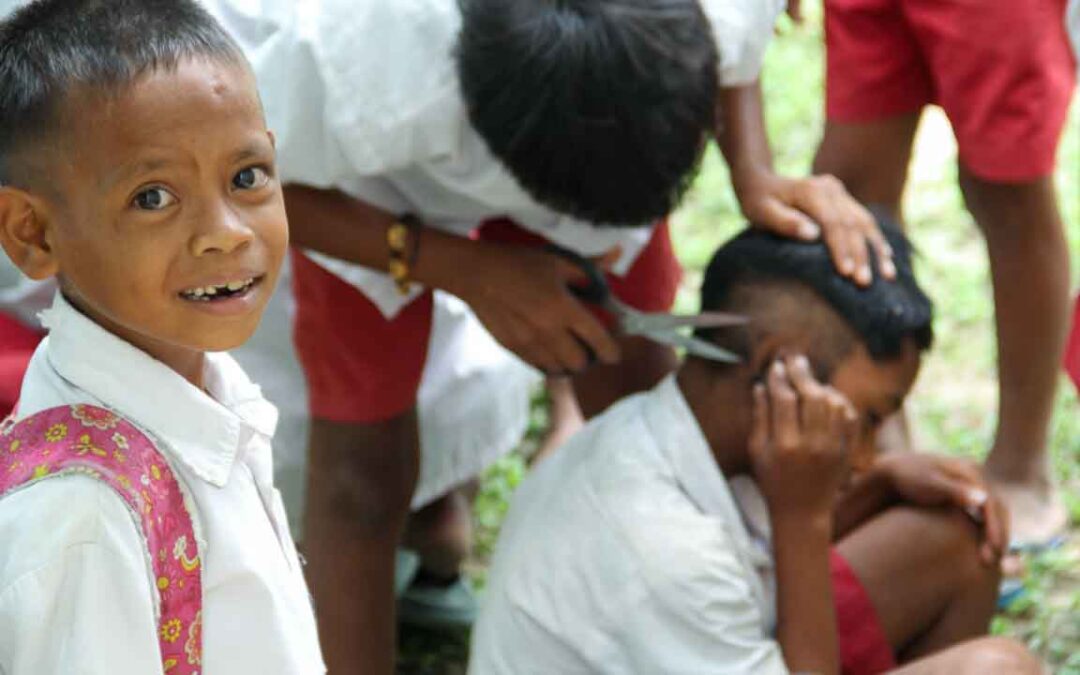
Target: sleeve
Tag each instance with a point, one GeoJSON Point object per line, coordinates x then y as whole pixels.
{"type": "Point", "coordinates": [84, 602]}
{"type": "Point", "coordinates": [352, 90]}
{"type": "Point", "coordinates": [743, 30]}
{"type": "Point", "coordinates": [279, 40]}
{"type": "Point", "coordinates": [702, 616]}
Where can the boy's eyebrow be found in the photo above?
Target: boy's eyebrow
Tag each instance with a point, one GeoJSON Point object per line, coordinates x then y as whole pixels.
{"type": "Point", "coordinates": [126, 171]}
{"type": "Point", "coordinates": [254, 150]}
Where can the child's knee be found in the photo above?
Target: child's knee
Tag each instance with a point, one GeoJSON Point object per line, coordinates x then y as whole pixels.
{"type": "Point", "coordinates": [1002, 655]}
{"type": "Point", "coordinates": [959, 541]}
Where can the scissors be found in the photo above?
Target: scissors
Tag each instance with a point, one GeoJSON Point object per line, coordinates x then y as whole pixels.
{"type": "Point", "coordinates": [657, 326]}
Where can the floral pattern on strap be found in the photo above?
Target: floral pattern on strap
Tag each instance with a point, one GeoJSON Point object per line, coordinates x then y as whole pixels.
{"type": "Point", "coordinates": [96, 442]}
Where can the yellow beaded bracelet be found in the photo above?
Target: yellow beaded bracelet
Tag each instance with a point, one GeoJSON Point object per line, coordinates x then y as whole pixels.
{"type": "Point", "coordinates": [401, 259]}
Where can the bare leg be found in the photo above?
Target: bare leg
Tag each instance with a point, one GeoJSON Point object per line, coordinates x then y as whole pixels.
{"type": "Point", "coordinates": [984, 656]}
{"type": "Point", "coordinates": [1029, 263]}
{"type": "Point", "coordinates": [922, 571]}
{"type": "Point", "coordinates": [441, 533]}
{"type": "Point", "coordinates": [360, 481]}
{"type": "Point", "coordinates": [871, 160]}
{"type": "Point", "coordinates": [564, 418]}
{"type": "Point", "coordinates": [644, 363]}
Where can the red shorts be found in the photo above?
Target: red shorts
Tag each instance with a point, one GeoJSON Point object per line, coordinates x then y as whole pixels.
{"type": "Point", "coordinates": [362, 367]}
{"type": "Point", "coordinates": [864, 649]}
{"type": "Point", "coordinates": [17, 345]}
{"type": "Point", "coordinates": [1072, 348]}
{"type": "Point", "coordinates": [1001, 69]}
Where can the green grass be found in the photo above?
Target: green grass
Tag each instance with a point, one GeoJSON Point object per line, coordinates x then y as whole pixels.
{"type": "Point", "coordinates": [953, 408]}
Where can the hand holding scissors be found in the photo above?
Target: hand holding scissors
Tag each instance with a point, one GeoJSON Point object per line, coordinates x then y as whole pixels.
{"type": "Point", "coordinates": [660, 327]}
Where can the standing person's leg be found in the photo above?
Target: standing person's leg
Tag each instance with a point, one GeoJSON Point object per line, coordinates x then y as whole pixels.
{"type": "Point", "coordinates": [363, 373]}
{"type": "Point", "coordinates": [876, 87]}
{"type": "Point", "coordinates": [1005, 81]}
{"type": "Point", "coordinates": [1029, 265]}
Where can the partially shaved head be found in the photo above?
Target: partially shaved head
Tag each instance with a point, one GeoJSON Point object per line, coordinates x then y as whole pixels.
{"type": "Point", "coordinates": [793, 295]}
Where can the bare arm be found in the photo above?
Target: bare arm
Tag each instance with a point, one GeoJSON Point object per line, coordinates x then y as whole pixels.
{"type": "Point", "coordinates": [801, 430]}
{"type": "Point", "coordinates": [800, 208]}
{"type": "Point", "coordinates": [867, 496]}
{"type": "Point", "coordinates": [520, 294]}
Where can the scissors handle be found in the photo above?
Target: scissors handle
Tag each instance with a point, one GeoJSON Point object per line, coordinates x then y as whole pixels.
{"type": "Point", "coordinates": [595, 290]}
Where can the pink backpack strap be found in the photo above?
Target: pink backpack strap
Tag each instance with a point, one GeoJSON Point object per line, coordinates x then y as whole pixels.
{"type": "Point", "coordinates": [95, 442]}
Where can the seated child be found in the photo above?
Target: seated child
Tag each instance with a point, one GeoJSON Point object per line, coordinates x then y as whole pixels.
{"type": "Point", "coordinates": [626, 551]}
{"type": "Point", "coordinates": [140, 525]}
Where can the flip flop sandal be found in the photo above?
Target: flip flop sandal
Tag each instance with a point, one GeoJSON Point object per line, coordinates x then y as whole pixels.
{"type": "Point", "coordinates": [439, 607]}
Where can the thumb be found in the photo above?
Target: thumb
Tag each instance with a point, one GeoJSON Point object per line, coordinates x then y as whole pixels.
{"type": "Point", "coordinates": [785, 221]}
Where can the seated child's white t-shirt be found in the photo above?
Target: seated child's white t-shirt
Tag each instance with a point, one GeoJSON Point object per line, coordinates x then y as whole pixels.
{"type": "Point", "coordinates": [76, 591]}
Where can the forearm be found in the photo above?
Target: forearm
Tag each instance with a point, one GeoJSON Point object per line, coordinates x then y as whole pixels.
{"type": "Point", "coordinates": [741, 131]}
{"type": "Point", "coordinates": [869, 495]}
{"type": "Point", "coordinates": [806, 628]}
{"type": "Point", "coordinates": [335, 224]}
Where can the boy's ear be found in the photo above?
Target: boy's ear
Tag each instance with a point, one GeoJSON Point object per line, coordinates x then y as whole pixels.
{"type": "Point", "coordinates": [24, 233]}
{"type": "Point", "coordinates": [764, 350]}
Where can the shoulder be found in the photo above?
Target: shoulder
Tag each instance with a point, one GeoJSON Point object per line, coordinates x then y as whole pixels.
{"type": "Point", "coordinates": [42, 524]}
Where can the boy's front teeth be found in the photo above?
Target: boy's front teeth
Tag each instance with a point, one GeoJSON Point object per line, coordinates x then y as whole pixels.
{"type": "Point", "coordinates": [211, 291]}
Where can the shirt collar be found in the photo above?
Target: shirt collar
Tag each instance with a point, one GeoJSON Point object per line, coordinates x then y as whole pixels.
{"type": "Point", "coordinates": [204, 431]}
{"type": "Point", "coordinates": [675, 428]}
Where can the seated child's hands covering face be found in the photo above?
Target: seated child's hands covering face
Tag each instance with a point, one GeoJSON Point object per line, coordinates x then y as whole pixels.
{"type": "Point", "coordinates": [802, 433]}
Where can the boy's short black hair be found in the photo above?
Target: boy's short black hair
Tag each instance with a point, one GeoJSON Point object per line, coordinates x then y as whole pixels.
{"type": "Point", "coordinates": [881, 316]}
{"type": "Point", "coordinates": [599, 108]}
{"type": "Point", "coordinates": [51, 47]}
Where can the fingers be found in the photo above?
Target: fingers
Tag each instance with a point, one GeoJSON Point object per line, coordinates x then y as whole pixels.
{"type": "Point", "coordinates": [849, 229]}
{"type": "Point", "coordinates": [759, 420]}
{"type": "Point", "coordinates": [784, 411]}
{"type": "Point", "coordinates": [785, 221]}
{"type": "Point", "coordinates": [996, 531]}
{"type": "Point", "coordinates": [814, 411]}
{"type": "Point", "coordinates": [593, 334]}
{"type": "Point", "coordinates": [873, 234]}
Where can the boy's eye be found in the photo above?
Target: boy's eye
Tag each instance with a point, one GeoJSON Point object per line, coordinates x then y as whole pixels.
{"type": "Point", "coordinates": [250, 178]}
{"type": "Point", "coordinates": [154, 199]}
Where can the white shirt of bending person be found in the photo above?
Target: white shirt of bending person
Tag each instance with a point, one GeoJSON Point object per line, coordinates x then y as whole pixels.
{"type": "Point", "coordinates": [363, 96]}
{"type": "Point", "coordinates": [626, 553]}
{"type": "Point", "coordinates": [75, 587]}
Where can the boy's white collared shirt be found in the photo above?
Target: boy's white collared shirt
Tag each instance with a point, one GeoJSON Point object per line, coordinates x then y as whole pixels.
{"type": "Point", "coordinates": [626, 552]}
{"type": "Point", "coordinates": [363, 96]}
{"type": "Point", "coordinates": [75, 589]}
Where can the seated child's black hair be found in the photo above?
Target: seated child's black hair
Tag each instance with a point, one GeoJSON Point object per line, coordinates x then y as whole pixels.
{"type": "Point", "coordinates": [599, 108]}
{"type": "Point", "coordinates": [51, 47]}
{"type": "Point", "coordinates": [882, 316]}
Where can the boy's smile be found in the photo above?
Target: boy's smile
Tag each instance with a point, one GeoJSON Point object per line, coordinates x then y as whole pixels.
{"type": "Point", "coordinates": [163, 211]}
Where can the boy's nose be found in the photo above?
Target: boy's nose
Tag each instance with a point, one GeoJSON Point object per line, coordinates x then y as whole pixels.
{"type": "Point", "coordinates": [221, 231]}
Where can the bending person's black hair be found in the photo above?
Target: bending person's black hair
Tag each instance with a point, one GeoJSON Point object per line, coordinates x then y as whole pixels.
{"type": "Point", "coordinates": [882, 316]}
{"type": "Point", "coordinates": [49, 48]}
{"type": "Point", "coordinates": [599, 108]}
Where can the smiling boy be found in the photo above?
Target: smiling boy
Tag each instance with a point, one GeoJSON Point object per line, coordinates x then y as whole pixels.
{"type": "Point", "coordinates": [137, 169]}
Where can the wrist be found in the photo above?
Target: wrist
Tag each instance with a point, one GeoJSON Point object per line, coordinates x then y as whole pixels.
{"type": "Point", "coordinates": [806, 522]}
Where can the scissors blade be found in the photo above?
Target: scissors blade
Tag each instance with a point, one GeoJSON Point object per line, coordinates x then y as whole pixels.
{"type": "Point", "coordinates": [662, 321]}
{"type": "Point", "coordinates": [696, 347]}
